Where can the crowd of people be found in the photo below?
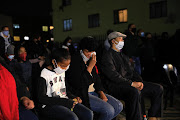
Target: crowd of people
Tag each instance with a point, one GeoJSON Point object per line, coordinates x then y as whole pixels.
{"type": "Point", "coordinates": [70, 83]}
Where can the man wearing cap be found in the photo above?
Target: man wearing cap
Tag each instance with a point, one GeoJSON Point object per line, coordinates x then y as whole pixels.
{"type": "Point", "coordinates": [122, 82]}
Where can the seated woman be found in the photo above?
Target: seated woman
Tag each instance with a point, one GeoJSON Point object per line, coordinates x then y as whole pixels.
{"type": "Point", "coordinates": [22, 66]}
{"type": "Point", "coordinates": [53, 98]}
{"type": "Point", "coordinates": [85, 82]}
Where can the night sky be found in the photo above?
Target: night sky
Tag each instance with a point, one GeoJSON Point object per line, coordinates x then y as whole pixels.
{"type": "Point", "coordinates": [25, 7]}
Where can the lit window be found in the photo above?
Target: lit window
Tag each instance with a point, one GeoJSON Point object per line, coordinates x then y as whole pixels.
{"type": "Point", "coordinates": [158, 9]}
{"type": "Point", "coordinates": [120, 16]}
{"type": "Point", "coordinates": [51, 27]}
{"type": "Point", "coordinates": [45, 28]}
{"type": "Point", "coordinates": [16, 26]}
{"type": "Point", "coordinates": [67, 25]}
{"type": "Point", "coordinates": [93, 21]}
{"type": "Point", "coordinates": [16, 38]}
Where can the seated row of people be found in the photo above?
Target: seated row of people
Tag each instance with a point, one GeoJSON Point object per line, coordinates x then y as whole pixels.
{"type": "Point", "coordinates": [70, 88]}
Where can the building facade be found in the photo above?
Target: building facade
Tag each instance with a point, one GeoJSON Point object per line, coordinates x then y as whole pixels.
{"type": "Point", "coordinates": [79, 18]}
{"type": "Point", "coordinates": [6, 21]}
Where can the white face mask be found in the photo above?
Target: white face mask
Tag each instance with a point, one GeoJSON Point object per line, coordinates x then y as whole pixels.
{"type": "Point", "coordinates": [60, 70]}
{"type": "Point", "coordinates": [68, 44]}
{"type": "Point", "coordinates": [119, 45]}
{"type": "Point", "coordinates": [93, 53]}
{"type": "Point", "coordinates": [85, 59]}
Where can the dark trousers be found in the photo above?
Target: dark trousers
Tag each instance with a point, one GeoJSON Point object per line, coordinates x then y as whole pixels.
{"type": "Point", "coordinates": [132, 98]}
{"type": "Point", "coordinates": [25, 114]}
{"type": "Point", "coordinates": [58, 112]}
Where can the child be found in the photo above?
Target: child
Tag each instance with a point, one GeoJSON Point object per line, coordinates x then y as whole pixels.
{"type": "Point", "coordinates": [55, 101]}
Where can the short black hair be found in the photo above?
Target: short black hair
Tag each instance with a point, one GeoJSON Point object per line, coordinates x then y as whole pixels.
{"type": "Point", "coordinates": [88, 43]}
{"type": "Point", "coordinates": [36, 36]}
{"type": "Point", "coordinates": [130, 25]}
{"type": "Point", "coordinates": [66, 40]}
{"type": "Point", "coordinates": [3, 27]}
{"type": "Point", "coordinates": [60, 54]}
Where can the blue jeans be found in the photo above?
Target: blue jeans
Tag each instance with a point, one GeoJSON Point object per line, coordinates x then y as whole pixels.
{"type": "Point", "coordinates": [107, 110]}
{"type": "Point", "coordinates": [80, 112]}
{"type": "Point", "coordinates": [25, 114]}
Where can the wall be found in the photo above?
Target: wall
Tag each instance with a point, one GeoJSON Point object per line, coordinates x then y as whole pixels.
{"type": "Point", "coordinates": [138, 13]}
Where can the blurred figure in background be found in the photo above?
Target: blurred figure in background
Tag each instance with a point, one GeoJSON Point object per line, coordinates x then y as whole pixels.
{"type": "Point", "coordinates": [5, 40]}
{"type": "Point", "coordinates": [131, 47]}
{"type": "Point", "coordinates": [68, 44]}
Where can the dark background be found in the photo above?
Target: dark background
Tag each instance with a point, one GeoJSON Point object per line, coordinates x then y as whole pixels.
{"type": "Point", "coordinates": [31, 15]}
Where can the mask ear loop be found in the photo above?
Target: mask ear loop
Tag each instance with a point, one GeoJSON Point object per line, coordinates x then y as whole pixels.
{"type": "Point", "coordinates": [55, 63]}
{"type": "Point", "coordinates": [115, 42]}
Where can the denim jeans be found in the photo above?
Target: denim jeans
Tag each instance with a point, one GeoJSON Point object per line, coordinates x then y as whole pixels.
{"type": "Point", "coordinates": [107, 110]}
{"type": "Point", "coordinates": [58, 112]}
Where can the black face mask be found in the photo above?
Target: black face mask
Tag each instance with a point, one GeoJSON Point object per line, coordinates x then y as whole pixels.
{"type": "Point", "coordinates": [134, 30]}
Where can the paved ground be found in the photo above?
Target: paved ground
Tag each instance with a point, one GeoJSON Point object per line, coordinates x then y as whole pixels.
{"type": "Point", "coordinates": [169, 114]}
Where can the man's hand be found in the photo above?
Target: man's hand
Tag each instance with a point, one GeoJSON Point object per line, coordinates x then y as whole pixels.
{"type": "Point", "coordinates": [92, 63]}
{"type": "Point", "coordinates": [102, 96]}
{"type": "Point", "coordinates": [138, 85]}
{"type": "Point", "coordinates": [29, 104]}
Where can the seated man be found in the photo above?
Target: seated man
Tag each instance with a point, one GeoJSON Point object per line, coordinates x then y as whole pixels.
{"type": "Point", "coordinates": [10, 83]}
{"type": "Point", "coordinates": [124, 83]}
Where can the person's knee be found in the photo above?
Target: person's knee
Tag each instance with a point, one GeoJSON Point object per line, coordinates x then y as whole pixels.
{"type": "Point", "coordinates": [120, 106]}
{"type": "Point", "coordinates": [88, 114]}
{"type": "Point", "coordinates": [72, 117]}
{"type": "Point", "coordinates": [135, 93]}
{"type": "Point", "coordinates": [108, 112]}
{"type": "Point", "coordinates": [159, 89]}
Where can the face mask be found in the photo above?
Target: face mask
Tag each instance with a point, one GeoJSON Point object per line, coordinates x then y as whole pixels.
{"type": "Point", "coordinates": [59, 70]}
{"type": "Point", "coordinates": [6, 32]}
{"type": "Point", "coordinates": [93, 53]}
{"type": "Point", "coordinates": [23, 56]}
{"type": "Point", "coordinates": [11, 57]}
{"type": "Point", "coordinates": [85, 59]}
{"type": "Point", "coordinates": [134, 30]}
{"type": "Point", "coordinates": [68, 44]}
{"type": "Point", "coordinates": [142, 34]}
{"type": "Point", "coordinates": [119, 45]}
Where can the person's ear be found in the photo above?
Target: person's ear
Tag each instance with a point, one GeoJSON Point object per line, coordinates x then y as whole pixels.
{"type": "Point", "coordinates": [113, 41]}
{"type": "Point", "coordinates": [53, 61]}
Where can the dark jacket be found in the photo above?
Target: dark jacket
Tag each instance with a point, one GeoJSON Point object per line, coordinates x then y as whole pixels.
{"type": "Point", "coordinates": [23, 70]}
{"type": "Point", "coordinates": [131, 47]}
{"type": "Point", "coordinates": [79, 78]}
{"type": "Point", "coordinates": [21, 88]}
{"type": "Point", "coordinates": [117, 69]}
{"type": "Point", "coordinates": [2, 47]}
